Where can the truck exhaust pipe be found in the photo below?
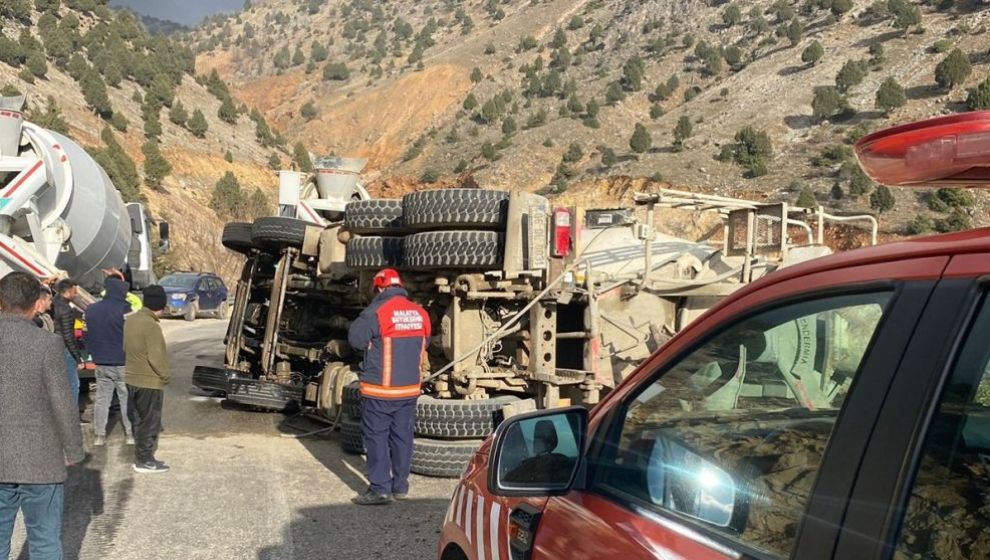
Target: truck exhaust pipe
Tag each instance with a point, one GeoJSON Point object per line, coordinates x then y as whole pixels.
{"type": "Point", "coordinates": [11, 121]}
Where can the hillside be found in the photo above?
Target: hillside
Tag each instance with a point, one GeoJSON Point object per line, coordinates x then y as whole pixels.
{"type": "Point", "coordinates": [546, 94]}
{"type": "Point", "coordinates": [112, 83]}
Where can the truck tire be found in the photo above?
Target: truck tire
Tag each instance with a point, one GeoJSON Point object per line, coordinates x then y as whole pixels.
{"type": "Point", "coordinates": [192, 310]}
{"type": "Point", "coordinates": [454, 249]}
{"type": "Point", "coordinates": [455, 208]}
{"type": "Point", "coordinates": [374, 252]}
{"type": "Point", "coordinates": [351, 401]}
{"type": "Point", "coordinates": [237, 237]}
{"type": "Point", "coordinates": [383, 216]}
{"type": "Point", "coordinates": [442, 459]}
{"type": "Point", "coordinates": [458, 419]}
{"type": "Point", "coordinates": [277, 232]}
{"type": "Point", "coordinates": [351, 440]}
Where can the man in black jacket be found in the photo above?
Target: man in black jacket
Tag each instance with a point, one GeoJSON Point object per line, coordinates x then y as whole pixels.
{"type": "Point", "coordinates": [39, 426]}
{"type": "Point", "coordinates": [65, 326]}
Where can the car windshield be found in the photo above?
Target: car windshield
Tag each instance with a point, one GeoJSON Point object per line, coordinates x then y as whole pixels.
{"type": "Point", "coordinates": [176, 281]}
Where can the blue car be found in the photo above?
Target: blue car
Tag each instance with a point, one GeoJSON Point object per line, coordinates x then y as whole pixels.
{"type": "Point", "coordinates": [191, 294]}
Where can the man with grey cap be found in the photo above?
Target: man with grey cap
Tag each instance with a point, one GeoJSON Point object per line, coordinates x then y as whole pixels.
{"type": "Point", "coordinates": [147, 375]}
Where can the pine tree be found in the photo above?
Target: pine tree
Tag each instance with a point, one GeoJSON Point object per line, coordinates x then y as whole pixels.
{"type": "Point", "coordinates": [682, 132]}
{"type": "Point", "coordinates": [488, 151]}
{"type": "Point", "coordinates": [162, 89]}
{"type": "Point", "coordinates": [806, 199]}
{"type": "Point", "coordinates": [298, 58]}
{"type": "Point", "coordinates": [156, 167]}
{"type": "Point", "coordinates": [890, 95]}
{"type": "Point", "coordinates": [95, 93]}
{"type": "Point", "coordinates": [227, 199]}
{"type": "Point", "coordinates": [641, 141]}
{"type": "Point", "coordinates": [614, 94]}
{"type": "Point", "coordinates": [274, 162]}
{"type": "Point", "coordinates": [813, 53]}
{"type": "Point", "coordinates": [979, 97]}
{"type": "Point", "coordinates": [794, 31]}
{"type": "Point", "coordinates": [953, 70]}
{"type": "Point", "coordinates": [302, 159]}
{"type": "Point", "coordinates": [228, 156]}
{"type": "Point", "coordinates": [476, 75]}
{"type": "Point", "coordinates": [837, 192]}
{"type": "Point", "coordinates": [308, 111]}
{"type": "Point", "coordinates": [573, 154]}
{"type": "Point", "coordinates": [37, 64]}
{"type": "Point", "coordinates": [609, 158]}
{"type": "Point", "coordinates": [227, 111]}
{"type": "Point", "coordinates": [882, 200]}
{"type": "Point", "coordinates": [828, 103]}
{"type": "Point", "coordinates": [178, 114]}
{"type": "Point", "coordinates": [852, 73]}
{"type": "Point", "coordinates": [282, 58]}
{"type": "Point", "coordinates": [509, 126]}
{"type": "Point", "coordinates": [470, 102]}
{"type": "Point", "coordinates": [197, 124]}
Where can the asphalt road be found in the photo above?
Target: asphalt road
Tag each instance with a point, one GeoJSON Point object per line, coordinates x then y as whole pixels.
{"type": "Point", "coordinates": [237, 488]}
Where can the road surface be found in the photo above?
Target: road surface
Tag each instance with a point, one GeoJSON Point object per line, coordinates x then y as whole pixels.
{"type": "Point", "coordinates": [237, 489]}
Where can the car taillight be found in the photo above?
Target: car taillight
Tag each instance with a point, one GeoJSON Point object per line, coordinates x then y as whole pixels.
{"type": "Point", "coordinates": [561, 232]}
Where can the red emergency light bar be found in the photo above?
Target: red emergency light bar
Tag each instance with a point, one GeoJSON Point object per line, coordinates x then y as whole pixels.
{"type": "Point", "coordinates": [951, 151]}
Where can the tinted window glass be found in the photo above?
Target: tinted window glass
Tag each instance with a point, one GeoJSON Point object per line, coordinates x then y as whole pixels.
{"type": "Point", "coordinates": [181, 281]}
{"type": "Point", "coordinates": [733, 434]}
{"type": "Point", "coordinates": [948, 514]}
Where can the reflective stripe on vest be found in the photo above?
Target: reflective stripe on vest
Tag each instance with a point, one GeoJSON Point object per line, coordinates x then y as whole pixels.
{"type": "Point", "coordinates": [378, 391]}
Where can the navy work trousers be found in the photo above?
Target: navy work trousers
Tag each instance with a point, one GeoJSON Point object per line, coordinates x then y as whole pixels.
{"type": "Point", "coordinates": [387, 427]}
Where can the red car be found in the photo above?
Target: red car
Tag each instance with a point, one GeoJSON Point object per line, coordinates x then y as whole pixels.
{"type": "Point", "coordinates": [835, 409]}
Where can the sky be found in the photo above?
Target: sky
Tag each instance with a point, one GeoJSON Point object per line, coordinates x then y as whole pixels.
{"type": "Point", "coordinates": [186, 12]}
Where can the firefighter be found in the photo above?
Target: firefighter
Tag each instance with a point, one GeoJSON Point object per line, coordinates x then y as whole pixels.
{"type": "Point", "coordinates": [393, 333]}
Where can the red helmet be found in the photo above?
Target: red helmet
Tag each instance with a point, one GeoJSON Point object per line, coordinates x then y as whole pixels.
{"type": "Point", "coordinates": [386, 278]}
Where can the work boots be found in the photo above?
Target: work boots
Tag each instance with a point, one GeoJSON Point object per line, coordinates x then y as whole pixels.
{"type": "Point", "coordinates": [370, 498]}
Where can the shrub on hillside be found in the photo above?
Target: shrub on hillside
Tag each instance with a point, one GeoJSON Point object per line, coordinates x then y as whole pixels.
{"type": "Point", "coordinates": [953, 70]}
{"type": "Point", "coordinates": [890, 95]}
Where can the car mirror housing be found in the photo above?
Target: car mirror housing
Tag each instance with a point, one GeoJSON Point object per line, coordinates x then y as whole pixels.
{"type": "Point", "coordinates": [538, 454]}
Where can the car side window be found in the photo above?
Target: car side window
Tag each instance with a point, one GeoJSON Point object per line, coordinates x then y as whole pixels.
{"type": "Point", "coordinates": [732, 435]}
{"type": "Point", "coordinates": [948, 512]}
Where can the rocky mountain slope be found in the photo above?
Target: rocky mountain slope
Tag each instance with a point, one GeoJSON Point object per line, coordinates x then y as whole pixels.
{"type": "Point", "coordinates": [548, 94]}
{"type": "Point", "coordinates": [97, 75]}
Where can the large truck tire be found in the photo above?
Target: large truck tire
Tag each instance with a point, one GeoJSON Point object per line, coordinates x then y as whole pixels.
{"type": "Point", "coordinates": [277, 232]}
{"type": "Point", "coordinates": [237, 237]}
{"type": "Point", "coordinates": [456, 209]}
{"type": "Point", "coordinates": [351, 440]}
{"type": "Point", "coordinates": [381, 216]}
{"type": "Point", "coordinates": [458, 419]}
{"type": "Point", "coordinates": [351, 401]}
{"type": "Point", "coordinates": [373, 252]}
{"type": "Point", "coordinates": [454, 249]}
{"type": "Point", "coordinates": [442, 459]}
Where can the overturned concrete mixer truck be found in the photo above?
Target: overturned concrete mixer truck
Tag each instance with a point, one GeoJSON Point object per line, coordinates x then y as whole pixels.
{"type": "Point", "coordinates": [60, 215]}
{"type": "Point", "coordinates": [533, 305]}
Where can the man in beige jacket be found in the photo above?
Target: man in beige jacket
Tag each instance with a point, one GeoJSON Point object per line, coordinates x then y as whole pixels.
{"type": "Point", "coordinates": [147, 375]}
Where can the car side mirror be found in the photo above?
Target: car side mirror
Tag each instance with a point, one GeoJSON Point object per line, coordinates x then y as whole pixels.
{"type": "Point", "coordinates": [689, 484]}
{"type": "Point", "coordinates": [537, 454]}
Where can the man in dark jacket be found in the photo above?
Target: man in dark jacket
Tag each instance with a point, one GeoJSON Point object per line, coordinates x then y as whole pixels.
{"type": "Point", "coordinates": [393, 333]}
{"type": "Point", "coordinates": [39, 424]}
{"type": "Point", "coordinates": [105, 341]}
{"type": "Point", "coordinates": [65, 326]}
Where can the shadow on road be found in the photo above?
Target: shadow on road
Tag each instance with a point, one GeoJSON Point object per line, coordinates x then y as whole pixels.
{"type": "Point", "coordinates": [325, 448]}
{"type": "Point", "coordinates": [401, 531]}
